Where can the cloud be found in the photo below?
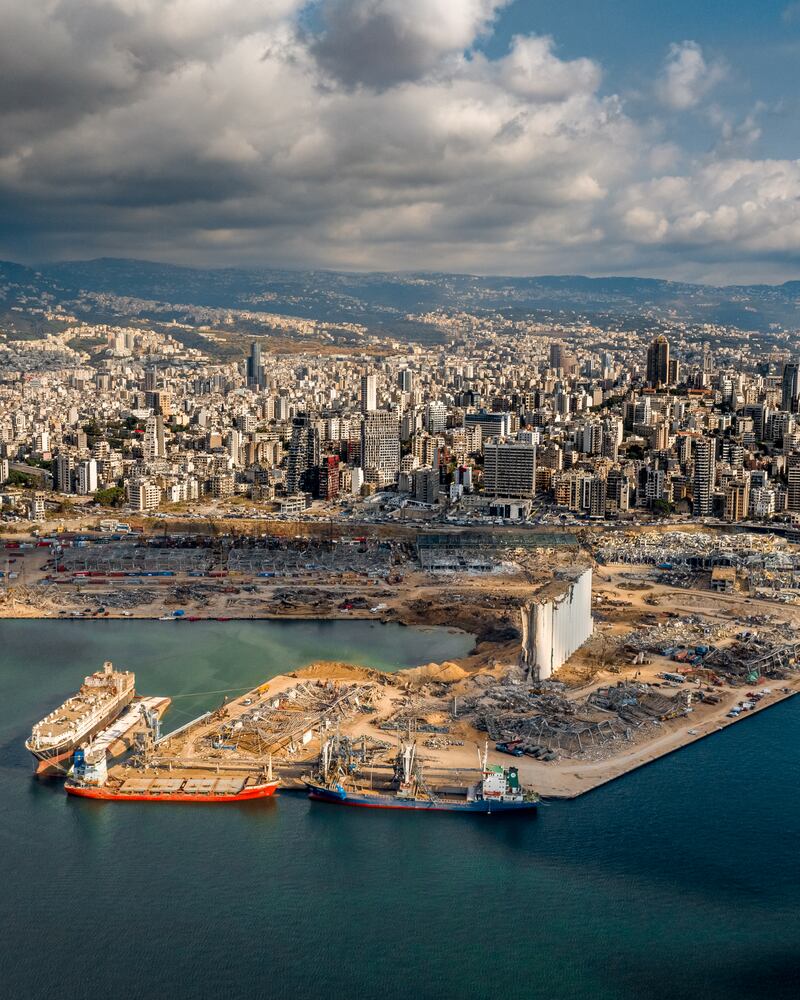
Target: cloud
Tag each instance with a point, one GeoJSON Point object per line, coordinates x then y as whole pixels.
{"type": "Point", "coordinates": [532, 70]}
{"type": "Point", "coordinates": [686, 77]}
{"type": "Point", "coordinates": [217, 132]}
{"type": "Point", "coordinates": [734, 205]}
{"type": "Point", "coordinates": [379, 43]}
{"type": "Point", "coordinates": [737, 133]}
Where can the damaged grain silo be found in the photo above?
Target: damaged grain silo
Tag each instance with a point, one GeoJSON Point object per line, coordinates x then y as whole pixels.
{"type": "Point", "coordinates": [555, 622]}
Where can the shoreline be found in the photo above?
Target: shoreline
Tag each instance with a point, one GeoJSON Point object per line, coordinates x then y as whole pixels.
{"type": "Point", "coordinates": [487, 616]}
{"type": "Point", "coordinates": [775, 699]}
{"type": "Point", "coordinates": [563, 779]}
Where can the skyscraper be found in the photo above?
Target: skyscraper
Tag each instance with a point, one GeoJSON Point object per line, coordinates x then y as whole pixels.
{"type": "Point", "coordinates": [436, 417]}
{"type": "Point", "coordinates": [790, 387]}
{"type": "Point", "coordinates": [380, 446]}
{"type": "Point", "coordinates": [63, 467]}
{"type": "Point", "coordinates": [369, 395]}
{"type": "Point", "coordinates": [303, 454]}
{"type": "Point", "coordinates": [509, 469]}
{"type": "Point", "coordinates": [793, 475]}
{"type": "Point", "coordinates": [556, 354]}
{"type": "Point", "coordinates": [405, 379]}
{"type": "Point", "coordinates": [658, 362]}
{"type": "Point", "coordinates": [86, 477]}
{"type": "Point", "coordinates": [255, 368]}
{"type": "Point", "coordinates": [705, 466]}
{"type": "Point", "coordinates": [426, 485]}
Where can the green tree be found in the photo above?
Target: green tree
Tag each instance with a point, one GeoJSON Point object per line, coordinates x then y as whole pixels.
{"type": "Point", "coordinates": [114, 496]}
{"type": "Point", "coordinates": [20, 479]}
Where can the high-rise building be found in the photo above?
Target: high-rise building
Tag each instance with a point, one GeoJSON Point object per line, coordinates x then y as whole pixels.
{"type": "Point", "coordinates": [86, 477]}
{"type": "Point", "coordinates": [380, 446]}
{"type": "Point", "coordinates": [223, 485]}
{"type": "Point", "coordinates": [328, 475]}
{"type": "Point", "coordinates": [63, 468]}
{"type": "Point", "coordinates": [737, 498]}
{"type": "Point", "coordinates": [793, 475]}
{"type": "Point", "coordinates": [557, 354]}
{"type": "Point", "coordinates": [658, 362]}
{"type": "Point", "coordinates": [369, 394]}
{"type": "Point", "coordinates": [150, 380]}
{"type": "Point", "coordinates": [144, 495]}
{"type": "Point", "coordinates": [159, 401]}
{"type": "Point", "coordinates": [405, 379]}
{"type": "Point", "coordinates": [491, 424]}
{"type": "Point", "coordinates": [598, 494]}
{"type": "Point", "coordinates": [255, 366]}
{"type": "Point", "coordinates": [435, 417]}
{"type": "Point", "coordinates": [509, 469]}
{"type": "Point", "coordinates": [617, 490]}
{"type": "Point", "coordinates": [153, 443]}
{"type": "Point", "coordinates": [303, 454]}
{"type": "Point", "coordinates": [704, 474]}
{"type": "Point", "coordinates": [790, 387]}
{"type": "Point", "coordinates": [426, 485]}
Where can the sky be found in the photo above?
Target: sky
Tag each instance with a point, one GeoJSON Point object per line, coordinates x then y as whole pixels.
{"type": "Point", "coordinates": [483, 136]}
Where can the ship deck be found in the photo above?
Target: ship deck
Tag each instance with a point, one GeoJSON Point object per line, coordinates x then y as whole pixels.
{"type": "Point", "coordinates": [113, 739]}
{"type": "Point", "coordinates": [62, 720]}
{"type": "Point", "coordinates": [229, 785]}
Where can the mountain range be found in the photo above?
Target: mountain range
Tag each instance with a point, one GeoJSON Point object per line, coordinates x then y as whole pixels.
{"type": "Point", "coordinates": [110, 287]}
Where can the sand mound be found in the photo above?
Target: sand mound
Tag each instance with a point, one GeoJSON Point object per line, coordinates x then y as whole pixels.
{"type": "Point", "coordinates": [331, 670]}
{"type": "Point", "coordinates": [446, 673]}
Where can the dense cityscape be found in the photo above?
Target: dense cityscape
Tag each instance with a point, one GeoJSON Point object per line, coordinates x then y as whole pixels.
{"type": "Point", "coordinates": [528, 424]}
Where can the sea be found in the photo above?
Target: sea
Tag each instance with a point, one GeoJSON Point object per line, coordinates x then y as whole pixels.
{"type": "Point", "coordinates": [681, 880]}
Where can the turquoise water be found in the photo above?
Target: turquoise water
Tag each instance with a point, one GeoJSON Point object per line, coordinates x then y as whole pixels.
{"type": "Point", "coordinates": [680, 881]}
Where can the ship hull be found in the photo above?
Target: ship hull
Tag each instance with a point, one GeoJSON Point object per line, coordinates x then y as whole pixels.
{"type": "Point", "coordinates": [109, 795]}
{"type": "Point", "coordinates": [55, 761]}
{"type": "Point", "coordinates": [343, 798]}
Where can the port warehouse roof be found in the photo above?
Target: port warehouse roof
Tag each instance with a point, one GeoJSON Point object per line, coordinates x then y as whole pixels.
{"type": "Point", "coordinates": [257, 556]}
{"type": "Point", "coordinates": [478, 549]}
{"type": "Point", "coordinates": [432, 541]}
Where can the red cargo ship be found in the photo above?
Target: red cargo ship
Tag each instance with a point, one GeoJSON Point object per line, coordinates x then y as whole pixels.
{"type": "Point", "coordinates": [175, 790]}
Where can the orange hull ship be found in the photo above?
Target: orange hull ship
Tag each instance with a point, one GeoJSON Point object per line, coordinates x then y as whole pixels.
{"type": "Point", "coordinates": [244, 794]}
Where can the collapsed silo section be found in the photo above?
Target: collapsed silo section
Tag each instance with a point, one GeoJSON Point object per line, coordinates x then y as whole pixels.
{"type": "Point", "coordinates": [556, 622]}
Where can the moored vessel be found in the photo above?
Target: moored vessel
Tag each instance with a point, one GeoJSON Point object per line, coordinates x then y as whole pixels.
{"type": "Point", "coordinates": [174, 789]}
{"type": "Point", "coordinates": [101, 699]}
{"type": "Point", "coordinates": [498, 790]}
{"type": "Point", "coordinates": [121, 736]}
{"type": "Point", "coordinates": [137, 781]}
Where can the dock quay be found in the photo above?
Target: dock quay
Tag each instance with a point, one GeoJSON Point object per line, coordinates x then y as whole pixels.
{"type": "Point", "coordinates": [280, 726]}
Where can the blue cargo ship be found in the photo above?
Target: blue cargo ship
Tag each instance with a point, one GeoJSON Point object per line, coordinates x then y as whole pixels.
{"type": "Point", "coordinates": [498, 790]}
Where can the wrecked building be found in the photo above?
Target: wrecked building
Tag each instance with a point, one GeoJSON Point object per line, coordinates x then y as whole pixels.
{"type": "Point", "coordinates": [556, 621]}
